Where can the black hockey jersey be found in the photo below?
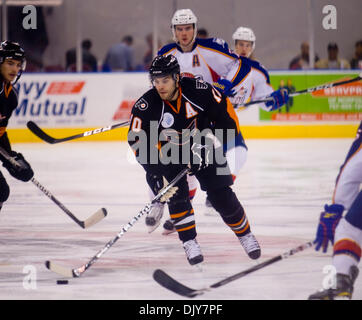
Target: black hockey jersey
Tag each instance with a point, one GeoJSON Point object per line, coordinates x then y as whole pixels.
{"type": "Point", "coordinates": [199, 106]}
{"type": "Point", "coordinates": [8, 103]}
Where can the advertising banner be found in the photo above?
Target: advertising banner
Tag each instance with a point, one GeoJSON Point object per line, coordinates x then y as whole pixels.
{"type": "Point", "coordinates": [340, 103]}
{"type": "Point", "coordinates": [76, 100]}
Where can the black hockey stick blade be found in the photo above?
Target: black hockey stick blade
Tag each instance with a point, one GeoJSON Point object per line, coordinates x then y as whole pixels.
{"type": "Point", "coordinates": [171, 284]}
{"type": "Point", "coordinates": [34, 128]}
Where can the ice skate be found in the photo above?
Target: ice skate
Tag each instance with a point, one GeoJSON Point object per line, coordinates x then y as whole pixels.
{"type": "Point", "coordinates": [193, 252]}
{"type": "Point", "coordinates": [250, 245]}
{"type": "Point", "coordinates": [168, 227]}
{"type": "Point", "coordinates": [153, 219]}
{"type": "Point", "coordinates": [343, 290]}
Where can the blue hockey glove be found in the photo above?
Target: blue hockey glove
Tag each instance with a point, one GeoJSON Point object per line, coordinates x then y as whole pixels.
{"type": "Point", "coordinates": [328, 222]}
{"type": "Point", "coordinates": [280, 98]}
{"type": "Point", "coordinates": [225, 87]}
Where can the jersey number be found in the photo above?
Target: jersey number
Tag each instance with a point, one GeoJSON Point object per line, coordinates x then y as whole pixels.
{"type": "Point", "coordinates": [136, 124]}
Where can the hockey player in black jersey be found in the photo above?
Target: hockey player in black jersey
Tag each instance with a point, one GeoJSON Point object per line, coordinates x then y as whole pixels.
{"type": "Point", "coordinates": [12, 64]}
{"type": "Point", "coordinates": [180, 122]}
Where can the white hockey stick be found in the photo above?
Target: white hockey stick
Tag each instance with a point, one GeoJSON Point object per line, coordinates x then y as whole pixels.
{"type": "Point", "coordinates": [166, 193]}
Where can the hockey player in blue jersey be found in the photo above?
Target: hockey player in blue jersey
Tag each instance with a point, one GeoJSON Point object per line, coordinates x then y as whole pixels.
{"type": "Point", "coordinates": [212, 61]}
{"type": "Point", "coordinates": [244, 43]}
{"type": "Point", "coordinates": [345, 233]}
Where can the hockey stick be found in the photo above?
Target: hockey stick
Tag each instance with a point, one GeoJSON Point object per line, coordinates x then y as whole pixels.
{"type": "Point", "coordinates": [308, 90]}
{"type": "Point", "coordinates": [166, 192]}
{"type": "Point", "coordinates": [34, 128]}
{"type": "Point", "coordinates": [93, 219]}
{"type": "Point", "coordinates": [169, 283]}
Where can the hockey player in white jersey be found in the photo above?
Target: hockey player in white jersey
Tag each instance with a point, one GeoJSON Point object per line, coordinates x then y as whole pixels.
{"type": "Point", "coordinates": [344, 232]}
{"type": "Point", "coordinates": [212, 61]}
{"type": "Point", "coordinates": [244, 44]}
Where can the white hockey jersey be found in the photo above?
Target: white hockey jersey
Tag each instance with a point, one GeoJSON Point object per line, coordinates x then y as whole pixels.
{"type": "Point", "coordinates": [211, 59]}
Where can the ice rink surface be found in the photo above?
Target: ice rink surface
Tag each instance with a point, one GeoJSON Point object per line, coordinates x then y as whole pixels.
{"type": "Point", "coordinates": [283, 188]}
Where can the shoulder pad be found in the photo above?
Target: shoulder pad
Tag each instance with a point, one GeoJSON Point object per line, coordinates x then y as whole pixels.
{"type": "Point", "coordinates": [144, 102]}
{"type": "Point", "coordinates": [216, 44]}
{"type": "Point", "coordinates": [165, 49]}
{"type": "Point", "coordinates": [256, 65]}
{"type": "Point", "coordinates": [195, 83]}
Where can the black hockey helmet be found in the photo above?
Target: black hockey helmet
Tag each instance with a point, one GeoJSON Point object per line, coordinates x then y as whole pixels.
{"type": "Point", "coordinates": [12, 50]}
{"type": "Point", "coordinates": [164, 65]}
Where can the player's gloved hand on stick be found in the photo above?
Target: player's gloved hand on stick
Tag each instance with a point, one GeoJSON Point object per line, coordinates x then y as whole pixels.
{"type": "Point", "coordinates": [18, 167]}
{"type": "Point", "coordinates": [155, 182]}
{"type": "Point", "coordinates": [225, 87]}
{"type": "Point", "coordinates": [328, 222]}
{"type": "Point", "coordinates": [279, 98]}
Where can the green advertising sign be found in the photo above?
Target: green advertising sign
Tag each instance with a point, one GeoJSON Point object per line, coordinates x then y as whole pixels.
{"type": "Point", "coordinates": [340, 103]}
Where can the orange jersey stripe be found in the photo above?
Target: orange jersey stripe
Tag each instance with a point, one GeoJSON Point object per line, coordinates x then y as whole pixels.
{"type": "Point", "coordinates": [181, 214]}
{"type": "Point", "coordinates": [231, 111]}
{"type": "Point", "coordinates": [187, 228]}
{"type": "Point", "coordinates": [7, 90]}
{"type": "Point", "coordinates": [2, 131]}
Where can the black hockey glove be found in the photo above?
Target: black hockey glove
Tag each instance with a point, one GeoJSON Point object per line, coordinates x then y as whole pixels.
{"type": "Point", "coordinates": [155, 182]}
{"type": "Point", "coordinates": [18, 167]}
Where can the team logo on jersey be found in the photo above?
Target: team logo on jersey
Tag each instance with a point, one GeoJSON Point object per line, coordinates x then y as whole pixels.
{"type": "Point", "coordinates": [179, 138]}
{"type": "Point", "coordinates": [167, 120]}
{"type": "Point", "coordinates": [141, 104]}
{"type": "Point", "coordinates": [219, 41]}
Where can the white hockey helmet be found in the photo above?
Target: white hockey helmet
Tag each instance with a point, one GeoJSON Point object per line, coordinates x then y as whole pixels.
{"type": "Point", "coordinates": [246, 34]}
{"type": "Point", "coordinates": [183, 16]}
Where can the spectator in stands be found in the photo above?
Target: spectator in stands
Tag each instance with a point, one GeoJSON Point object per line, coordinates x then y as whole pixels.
{"type": "Point", "coordinates": [89, 61]}
{"type": "Point", "coordinates": [148, 57]}
{"type": "Point", "coordinates": [301, 61]}
{"type": "Point", "coordinates": [333, 61]}
{"type": "Point", "coordinates": [202, 33]}
{"type": "Point", "coordinates": [120, 56]}
{"type": "Point", "coordinates": [356, 62]}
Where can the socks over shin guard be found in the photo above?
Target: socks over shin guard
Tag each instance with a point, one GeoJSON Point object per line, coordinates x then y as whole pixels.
{"type": "Point", "coordinates": [232, 212]}
{"type": "Point", "coordinates": [238, 222]}
{"type": "Point", "coordinates": [182, 215]}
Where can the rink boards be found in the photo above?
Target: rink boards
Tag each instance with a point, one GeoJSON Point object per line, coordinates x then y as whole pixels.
{"type": "Point", "coordinates": [65, 104]}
